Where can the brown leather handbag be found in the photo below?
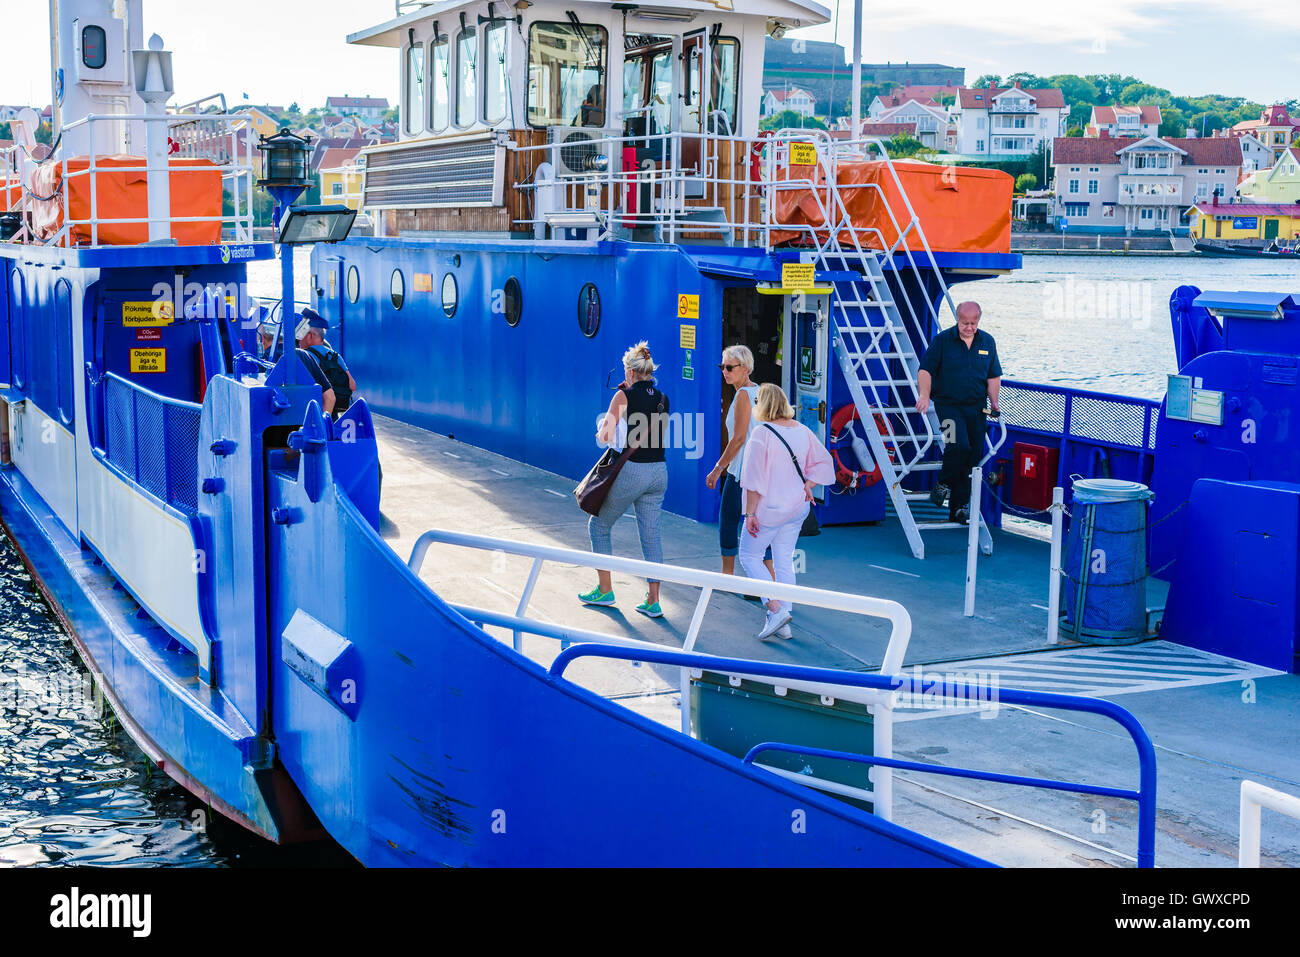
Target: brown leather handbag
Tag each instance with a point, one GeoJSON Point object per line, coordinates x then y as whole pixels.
{"type": "Point", "coordinates": [592, 491]}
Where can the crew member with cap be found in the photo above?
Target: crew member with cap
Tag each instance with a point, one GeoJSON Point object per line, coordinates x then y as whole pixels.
{"type": "Point", "coordinates": [312, 366]}
{"type": "Point", "coordinates": [961, 368]}
{"type": "Point", "coordinates": [311, 336]}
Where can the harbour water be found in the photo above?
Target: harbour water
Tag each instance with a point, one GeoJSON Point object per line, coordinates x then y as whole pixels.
{"type": "Point", "coordinates": [74, 789]}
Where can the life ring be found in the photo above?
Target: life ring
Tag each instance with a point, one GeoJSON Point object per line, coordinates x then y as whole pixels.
{"type": "Point", "coordinates": [841, 431]}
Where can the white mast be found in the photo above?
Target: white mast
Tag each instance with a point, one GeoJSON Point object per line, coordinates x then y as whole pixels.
{"type": "Point", "coordinates": [856, 123]}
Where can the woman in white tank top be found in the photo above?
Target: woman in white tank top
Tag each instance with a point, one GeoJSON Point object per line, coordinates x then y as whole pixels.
{"type": "Point", "coordinates": [737, 365]}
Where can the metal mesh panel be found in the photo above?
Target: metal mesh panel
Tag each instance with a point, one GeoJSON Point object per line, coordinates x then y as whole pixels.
{"type": "Point", "coordinates": [430, 153]}
{"type": "Point", "coordinates": [436, 174]}
{"type": "Point", "coordinates": [1031, 409]}
{"type": "Point", "coordinates": [149, 425]}
{"type": "Point", "coordinates": [182, 457]}
{"type": "Point", "coordinates": [119, 426]}
{"type": "Point", "coordinates": [154, 442]}
{"type": "Point", "coordinates": [1108, 421]}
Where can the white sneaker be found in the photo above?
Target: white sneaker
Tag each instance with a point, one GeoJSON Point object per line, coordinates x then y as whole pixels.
{"type": "Point", "coordinates": [776, 620]}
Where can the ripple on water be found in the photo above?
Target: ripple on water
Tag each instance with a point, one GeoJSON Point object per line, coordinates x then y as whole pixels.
{"type": "Point", "coordinates": [74, 788]}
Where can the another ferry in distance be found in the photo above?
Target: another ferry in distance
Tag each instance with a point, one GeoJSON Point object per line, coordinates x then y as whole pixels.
{"type": "Point", "coordinates": [564, 186]}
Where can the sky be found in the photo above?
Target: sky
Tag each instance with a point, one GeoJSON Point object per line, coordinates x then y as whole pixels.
{"type": "Point", "coordinates": [1236, 47]}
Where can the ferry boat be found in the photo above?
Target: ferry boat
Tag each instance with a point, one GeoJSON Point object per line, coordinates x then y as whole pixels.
{"type": "Point", "coordinates": [229, 568]}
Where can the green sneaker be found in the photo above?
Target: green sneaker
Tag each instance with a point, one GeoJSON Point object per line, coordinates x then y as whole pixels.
{"type": "Point", "coordinates": [597, 597]}
{"type": "Point", "coordinates": [650, 609]}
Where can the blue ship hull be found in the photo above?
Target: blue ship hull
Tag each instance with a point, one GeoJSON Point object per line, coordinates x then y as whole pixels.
{"type": "Point", "coordinates": [219, 566]}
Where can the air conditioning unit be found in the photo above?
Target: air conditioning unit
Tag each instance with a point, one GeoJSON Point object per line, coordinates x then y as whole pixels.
{"type": "Point", "coordinates": [578, 150]}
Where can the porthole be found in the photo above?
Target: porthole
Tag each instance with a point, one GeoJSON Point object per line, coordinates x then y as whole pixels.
{"type": "Point", "coordinates": [513, 301]}
{"type": "Point", "coordinates": [589, 310]}
{"type": "Point", "coordinates": [354, 284]}
{"type": "Point", "coordinates": [450, 295]}
{"type": "Point", "coordinates": [397, 289]}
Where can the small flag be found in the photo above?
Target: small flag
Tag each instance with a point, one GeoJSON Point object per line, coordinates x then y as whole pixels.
{"type": "Point", "coordinates": [245, 96]}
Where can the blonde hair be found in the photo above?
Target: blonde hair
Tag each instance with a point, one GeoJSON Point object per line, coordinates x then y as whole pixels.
{"type": "Point", "coordinates": [741, 355]}
{"type": "Point", "coordinates": [772, 404]}
{"type": "Point", "coordinates": [638, 360]}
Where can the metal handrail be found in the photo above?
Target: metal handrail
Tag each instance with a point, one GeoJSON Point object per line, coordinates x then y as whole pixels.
{"type": "Point", "coordinates": [1254, 797]}
{"type": "Point", "coordinates": [1145, 795]}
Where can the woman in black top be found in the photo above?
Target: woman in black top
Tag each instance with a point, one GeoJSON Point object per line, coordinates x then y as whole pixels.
{"type": "Point", "coordinates": [644, 478]}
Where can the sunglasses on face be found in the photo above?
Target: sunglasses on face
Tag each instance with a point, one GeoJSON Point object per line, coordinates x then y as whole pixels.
{"type": "Point", "coordinates": [725, 367]}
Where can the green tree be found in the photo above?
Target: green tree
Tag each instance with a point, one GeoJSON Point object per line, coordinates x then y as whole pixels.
{"type": "Point", "coordinates": [1027, 81]}
{"type": "Point", "coordinates": [903, 145]}
{"type": "Point", "coordinates": [1075, 89]}
{"type": "Point", "coordinates": [1109, 86]}
{"type": "Point", "coordinates": [1025, 182]}
{"type": "Point", "coordinates": [45, 134]}
{"type": "Point", "coordinates": [988, 78]}
{"type": "Point", "coordinates": [1172, 122]}
{"type": "Point", "coordinates": [5, 132]}
{"type": "Point", "coordinates": [1136, 94]}
{"type": "Point", "coordinates": [789, 119]}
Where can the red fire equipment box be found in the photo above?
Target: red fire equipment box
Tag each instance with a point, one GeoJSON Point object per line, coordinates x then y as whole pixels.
{"type": "Point", "coordinates": [1035, 475]}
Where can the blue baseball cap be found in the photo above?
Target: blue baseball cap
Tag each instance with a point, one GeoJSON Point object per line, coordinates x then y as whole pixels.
{"type": "Point", "coordinates": [310, 319]}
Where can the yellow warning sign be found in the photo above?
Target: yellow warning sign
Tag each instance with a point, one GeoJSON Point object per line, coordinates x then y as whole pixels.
{"type": "Point", "coordinates": [688, 307]}
{"type": "Point", "coordinates": [803, 154]}
{"type": "Point", "coordinates": [424, 282]}
{"type": "Point", "coordinates": [688, 337]}
{"type": "Point", "coordinates": [159, 312]}
{"type": "Point", "coordinates": [148, 360]}
{"type": "Point", "coordinates": [797, 275]}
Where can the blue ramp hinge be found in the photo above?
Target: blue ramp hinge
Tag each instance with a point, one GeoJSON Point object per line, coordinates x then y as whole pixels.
{"type": "Point", "coordinates": [279, 401]}
{"type": "Point", "coordinates": [211, 486]}
{"type": "Point", "coordinates": [304, 443]}
{"type": "Point", "coordinates": [222, 447]}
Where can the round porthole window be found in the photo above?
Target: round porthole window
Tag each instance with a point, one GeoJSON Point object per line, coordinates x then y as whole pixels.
{"type": "Point", "coordinates": [354, 284]}
{"type": "Point", "coordinates": [513, 301]}
{"type": "Point", "coordinates": [589, 310]}
{"type": "Point", "coordinates": [397, 289]}
{"type": "Point", "coordinates": [450, 295]}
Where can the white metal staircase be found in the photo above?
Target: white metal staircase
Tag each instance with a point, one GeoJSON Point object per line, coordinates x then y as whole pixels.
{"type": "Point", "coordinates": [873, 339]}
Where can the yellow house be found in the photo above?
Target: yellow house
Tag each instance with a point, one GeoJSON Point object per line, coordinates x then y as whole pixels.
{"type": "Point", "coordinates": [1261, 221]}
{"type": "Point", "coordinates": [340, 177]}
{"type": "Point", "coordinates": [1278, 184]}
{"type": "Point", "coordinates": [262, 122]}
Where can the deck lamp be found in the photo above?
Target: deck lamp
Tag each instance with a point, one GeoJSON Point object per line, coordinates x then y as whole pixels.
{"type": "Point", "coordinates": [286, 169]}
{"type": "Point", "coordinates": [316, 224]}
{"type": "Point", "coordinates": [286, 161]}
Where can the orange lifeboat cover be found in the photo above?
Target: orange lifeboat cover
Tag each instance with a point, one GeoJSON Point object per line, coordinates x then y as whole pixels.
{"type": "Point", "coordinates": [123, 193]}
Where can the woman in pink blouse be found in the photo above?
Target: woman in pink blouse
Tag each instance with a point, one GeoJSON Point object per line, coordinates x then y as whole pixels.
{"type": "Point", "coordinates": [777, 499]}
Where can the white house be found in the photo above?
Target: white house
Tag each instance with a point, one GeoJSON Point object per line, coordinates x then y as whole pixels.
{"type": "Point", "coordinates": [1124, 121]}
{"type": "Point", "coordinates": [799, 100]}
{"type": "Point", "coordinates": [931, 121]}
{"type": "Point", "coordinates": [1255, 156]}
{"type": "Point", "coordinates": [1008, 122]}
{"type": "Point", "coordinates": [1134, 185]}
{"type": "Point", "coordinates": [370, 108]}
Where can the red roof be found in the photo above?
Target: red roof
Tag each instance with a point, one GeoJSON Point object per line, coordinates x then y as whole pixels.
{"type": "Point", "coordinates": [782, 95]}
{"type": "Point", "coordinates": [979, 98]}
{"type": "Point", "coordinates": [1224, 210]}
{"type": "Point", "coordinates": [1110, 114]}
{"type": "Point", "coordinates": [1084, 150]}
{"type": "Point", "coordinates": [336, 156]}
{"type": "Point", "coordinates": [887, 129]}
{"type": "Point", "coordinates": [356, 102]}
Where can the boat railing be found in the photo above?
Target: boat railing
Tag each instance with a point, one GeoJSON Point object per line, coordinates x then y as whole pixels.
{"type": "Point", "coordinates": [1255, 797]}
{"type": "Point", "coordinates": [1100, 418]}
{"type": "Point", "coordinates": [792, 675]}
{"type": "Point", "coordinates": [225, 140]}
{"type": "Point", "coordinates": [520, 623]}
{"type": "Point", "coordinates": [153, 440]}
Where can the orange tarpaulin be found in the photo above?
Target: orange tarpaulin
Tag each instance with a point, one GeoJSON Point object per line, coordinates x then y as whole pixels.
{"type": "Point", "coordinates": [124, 194]}
{"type": "Point", "coordinates": [960, 208]}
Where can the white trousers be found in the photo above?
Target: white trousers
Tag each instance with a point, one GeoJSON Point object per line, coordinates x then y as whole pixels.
{"type": "Point", "coordinates": [782, 539]}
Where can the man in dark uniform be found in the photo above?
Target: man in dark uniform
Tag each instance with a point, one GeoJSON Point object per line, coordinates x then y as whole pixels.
{"type": "Point", "coordinates": [961, 370]}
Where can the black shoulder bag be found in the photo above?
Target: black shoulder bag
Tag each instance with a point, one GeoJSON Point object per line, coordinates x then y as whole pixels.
{"type": "Point", "coordinates": [594, 488]}
{"type": "Point", "coordinates": [810, 525]}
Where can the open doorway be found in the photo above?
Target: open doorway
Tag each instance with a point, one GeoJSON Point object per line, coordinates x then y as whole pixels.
{"type": "Point", "coordinates": [753, 320]}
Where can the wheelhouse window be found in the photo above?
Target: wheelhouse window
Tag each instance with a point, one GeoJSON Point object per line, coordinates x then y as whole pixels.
{"type": "Point", "coordinates": [415, 88]}
{"type": "Point", "coordinates": [566, 74]}
{"type": "Point", "coordinates": [439, 84]}
{"type": "Point", "coordinates": [723, 84]}
{"type": "Point", "coordinates": [466, 77]}
{"type": "Point", "coordinates": [494, 73]}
